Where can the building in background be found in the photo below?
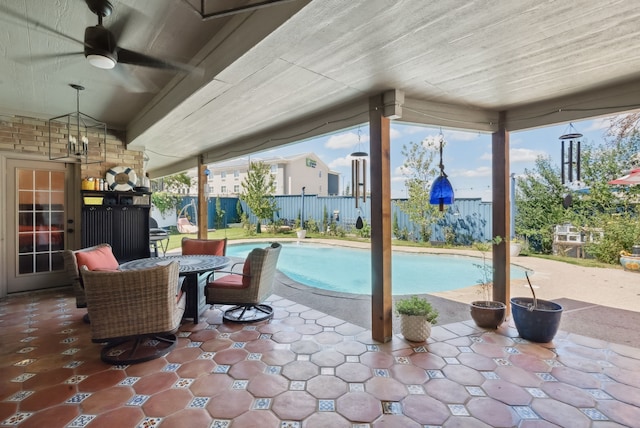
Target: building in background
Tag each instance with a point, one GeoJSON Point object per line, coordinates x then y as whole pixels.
{"type": "Point", "coordinates": [291, 174]}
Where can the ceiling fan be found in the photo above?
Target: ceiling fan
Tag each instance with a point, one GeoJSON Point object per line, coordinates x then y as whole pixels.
{"type": "Point", "coordinates": [100, 43]}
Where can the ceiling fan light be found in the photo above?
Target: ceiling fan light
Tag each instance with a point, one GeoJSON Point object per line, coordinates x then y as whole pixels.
{"type": "Point", "coordinates": [101, 61]}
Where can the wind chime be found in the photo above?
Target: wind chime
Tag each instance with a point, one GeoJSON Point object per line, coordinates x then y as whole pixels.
{"type": "Point", "coordinates": [359, 179]}
{"type": "Point", "coordinates": [441, 190]}
{"type": "Point", "coordinates": [570, 155]}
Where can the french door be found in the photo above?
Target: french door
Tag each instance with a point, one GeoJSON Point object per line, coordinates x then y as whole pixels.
{"type": "Point", "coordinates": [36, 218]}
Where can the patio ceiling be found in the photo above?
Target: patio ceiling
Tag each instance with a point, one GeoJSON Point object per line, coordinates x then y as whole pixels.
{"type": "Point", "coordinates": [297, 69]}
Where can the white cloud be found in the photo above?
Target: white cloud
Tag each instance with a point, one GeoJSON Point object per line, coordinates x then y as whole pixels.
{"type": "Point", "coordinates": [399, 171]}
{"type": "Point", "coordinates": [516, 141]}
{"type": "Point", "coordinates": [518, 155]}
{"type": "Point", "coordinates": [346, 140]}
{"type": "Point", "coordinates": [409, 130]}
{"type": "Point", "coordinates": [460, 136]}
{"type": "Point", "coordinates": [525, 155]}
{"type": "Point", "coordinates": [339, 162]}
{"type": "Point", "coordinates": [599, 124]}
{"type": "Point", "coordinates": [482, 171]}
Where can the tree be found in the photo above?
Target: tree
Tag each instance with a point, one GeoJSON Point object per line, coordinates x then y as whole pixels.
{"type": "Point", "coordinates": [540, 194]}
{"type": "Point", "coordinates": [258, 188]}
{"type": "Point", "coordinates": [169, 197]}
{"type": "Point", "coordinates": [419, 173]}
{"type": "Point", "coordinates": [176, 182]}
{"type": "Point", "coordinates": [539, 198]}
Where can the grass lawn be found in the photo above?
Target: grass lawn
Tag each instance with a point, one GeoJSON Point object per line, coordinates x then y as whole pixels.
{"type": "Point", "coordinates": [230, 234]}
{"type": "Point", "coordinates": [239, 233]}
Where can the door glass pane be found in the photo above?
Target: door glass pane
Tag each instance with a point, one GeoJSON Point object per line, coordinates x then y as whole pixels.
{"type": "Point", "coordinates": [41, 218]}
{"type": "Point", "coordinates": [41, 180]}
{"type": "Point", "coordinates": [25, 199]}
{"type": "Point", "coordinates": [25, 263]}
{"type": "Point", "coordinates": [57, 181]}
{"type": "Point", "coordinates": [42, 263]}
{"type": "Point", "coordinates": [57, 261]}
{"type": "Point", "coordinates": [42, 200]}
{"type": "Point", "coordinates": [57, 201]}
{"type": "Point", "coordinates": [25, 179]}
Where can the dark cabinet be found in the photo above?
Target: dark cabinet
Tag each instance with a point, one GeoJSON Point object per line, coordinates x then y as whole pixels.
{"type": "Point", "coordinates": [120, 219]}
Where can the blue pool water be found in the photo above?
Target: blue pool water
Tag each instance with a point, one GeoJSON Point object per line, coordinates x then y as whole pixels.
{"type": "Point", "coordinates": [349, 269]}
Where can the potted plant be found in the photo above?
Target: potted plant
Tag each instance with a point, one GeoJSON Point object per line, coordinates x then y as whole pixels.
{"type": "Point", "coordinates": [301, 232]}
{"type": "Point", "coordinates": [515, 246]}
{"type": "Point", "coordinates": [487, 313]}
{"type": "Point", "coordinates": [416, 317]}
{"type": "Point", "coordinates": [535, 319]}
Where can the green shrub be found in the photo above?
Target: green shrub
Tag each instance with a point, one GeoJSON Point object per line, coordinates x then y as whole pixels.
{"type": "Point", "coordinates": [620, 233]}
{"type": "Point", "coordinates": [417, 306]}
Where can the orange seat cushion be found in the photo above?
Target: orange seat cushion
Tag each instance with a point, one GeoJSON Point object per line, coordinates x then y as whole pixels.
{"type": "Point", "coordinates": [234, 280]}
{"type": "Point", "coordinates": [229, 281]}
{"type": "Point", "coordinates": [98, 259]}
{"type": "Point", "coordinates": [211, 247]}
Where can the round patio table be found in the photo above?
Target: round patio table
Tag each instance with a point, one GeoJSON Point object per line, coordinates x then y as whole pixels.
{"type": "Point", "coordinates": [191, 267]}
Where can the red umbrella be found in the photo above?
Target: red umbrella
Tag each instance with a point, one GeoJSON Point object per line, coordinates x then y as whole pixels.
{"type": "Point", "coordinates": [632, 178]}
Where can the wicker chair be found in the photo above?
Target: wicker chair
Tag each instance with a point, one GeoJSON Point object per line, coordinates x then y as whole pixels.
{"type": "Point", "coordinates": [135, 312]}
{"type": "Point", "coordinates": [211, 247]}
{"type": "Point", "coordinates": [246, 290]}
{"type": "Point", "coordinates": [72, 269]}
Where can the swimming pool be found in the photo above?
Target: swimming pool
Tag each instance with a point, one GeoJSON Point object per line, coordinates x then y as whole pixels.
{"type": "Point", "coordinates": [349, 269]}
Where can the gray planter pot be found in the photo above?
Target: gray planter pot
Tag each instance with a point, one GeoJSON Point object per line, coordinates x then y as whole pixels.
{"type": "Point", "coordinates": [488, 313]}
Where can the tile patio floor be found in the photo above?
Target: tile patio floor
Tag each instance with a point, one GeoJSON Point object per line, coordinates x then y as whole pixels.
{"type": "Point", "coordinates": [308, 369]}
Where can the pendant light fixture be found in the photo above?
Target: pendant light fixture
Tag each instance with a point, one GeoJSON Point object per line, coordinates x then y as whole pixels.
{"type": "Point", "coordinates": [77, 137]}
{"type": "Point", "coordinates": [441, 189]}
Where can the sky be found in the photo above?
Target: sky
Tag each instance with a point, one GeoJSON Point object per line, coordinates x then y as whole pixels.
{"type": "Point", "coordinates": [466, 156]}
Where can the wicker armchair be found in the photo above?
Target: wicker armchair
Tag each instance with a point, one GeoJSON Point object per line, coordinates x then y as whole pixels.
{"type": "Point", "coordinates": [246, 290]}
{"type": "Point", "coordinates": [136, 312]}
{"type": "Point", "coordinates": [72, 269]}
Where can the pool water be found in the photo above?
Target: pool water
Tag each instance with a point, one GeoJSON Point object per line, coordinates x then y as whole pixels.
{"type": "Point", "coordinates": [349, 269]}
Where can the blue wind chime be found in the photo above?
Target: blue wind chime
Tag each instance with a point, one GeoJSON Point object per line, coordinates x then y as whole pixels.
{"type": "Point", "coordinates": [441, 190]}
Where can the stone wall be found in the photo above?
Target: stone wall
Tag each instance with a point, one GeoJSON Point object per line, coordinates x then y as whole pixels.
{"type": "Point", "coordinates": [30, 136]}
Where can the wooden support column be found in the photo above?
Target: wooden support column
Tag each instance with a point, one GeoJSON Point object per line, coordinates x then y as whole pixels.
{"type": "Point", "coordinates": [203, 212]}
{"type": "Point", "coordinates": [380, 172]}
{"type": "Point", "coordinates": [501, 212]}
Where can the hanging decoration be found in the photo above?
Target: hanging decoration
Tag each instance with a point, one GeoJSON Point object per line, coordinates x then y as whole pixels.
{"type": "Point", "coordinates": [570, 155]}
{"type": "Point", "coordinates": [359, 173]}
{"type": "Point", "coordinates": [441, 189]}
{"type": "Point", "coordinates": [77, 137]}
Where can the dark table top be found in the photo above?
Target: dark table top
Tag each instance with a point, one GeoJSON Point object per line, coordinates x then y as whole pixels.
{"type": "Point", "coordinates": [188, 264]}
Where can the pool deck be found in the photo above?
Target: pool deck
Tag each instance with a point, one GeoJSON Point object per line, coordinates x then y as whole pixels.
{"type": "Point", "coordinates": [315, 364]}
{"type": "Point", "coordinates": [598, 302]}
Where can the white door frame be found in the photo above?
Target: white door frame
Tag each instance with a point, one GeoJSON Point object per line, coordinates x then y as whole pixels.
{"type": "Point", "coordinates": [5, 230]}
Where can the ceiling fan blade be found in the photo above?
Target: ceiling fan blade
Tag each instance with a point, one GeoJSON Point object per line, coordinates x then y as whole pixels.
{"type": "Point", "coordinates": [45, 57]}
{"type": "Point", "coordinates": [38, 26]}
{"type": "Point", "coordinates": [133, 83]}
{"type": "Point", "coordinates": [126, 56]}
